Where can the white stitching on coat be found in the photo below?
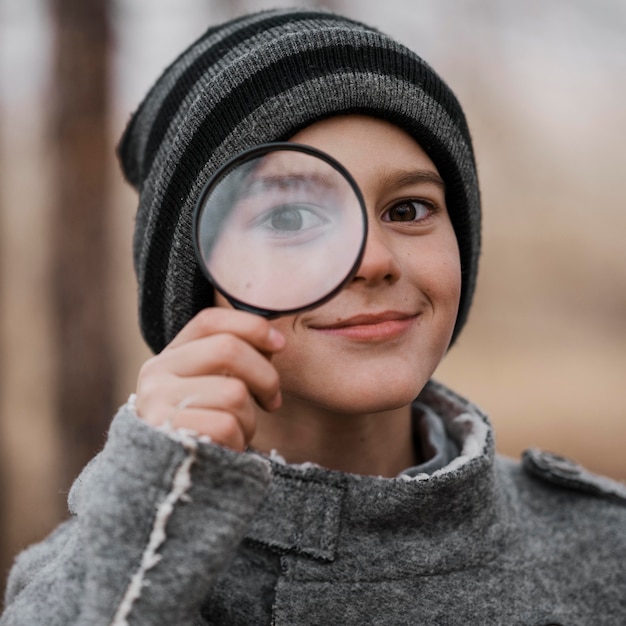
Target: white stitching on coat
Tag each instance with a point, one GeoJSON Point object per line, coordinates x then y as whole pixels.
{"type": "Point", "coordinates": [181, 483]}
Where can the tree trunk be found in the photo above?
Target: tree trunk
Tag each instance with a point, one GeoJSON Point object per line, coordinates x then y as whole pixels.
{"type": "Point", "coordinates": [79, 116]}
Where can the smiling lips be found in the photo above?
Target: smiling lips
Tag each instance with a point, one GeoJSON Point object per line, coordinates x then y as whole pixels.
{"type": "Point", "coordinates": [372, 327]}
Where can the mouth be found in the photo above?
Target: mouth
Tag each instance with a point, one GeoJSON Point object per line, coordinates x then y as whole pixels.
{"type": "Point", "coordinates": [371, 326]}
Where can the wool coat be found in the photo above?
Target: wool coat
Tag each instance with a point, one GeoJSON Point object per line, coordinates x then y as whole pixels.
{"type": "Point", "coordinates": [167, 529]}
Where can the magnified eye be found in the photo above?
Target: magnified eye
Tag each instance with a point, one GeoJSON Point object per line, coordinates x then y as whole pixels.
{"type": "Point", "coordinates": [287, 218]}
{"type": "Point", "coordinates": [291, 219]}
{"type": "Point", "coordinates": [407, 211]}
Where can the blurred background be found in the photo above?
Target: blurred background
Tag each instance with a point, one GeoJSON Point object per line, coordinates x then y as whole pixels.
{"type": "Point", "coordinates": [543, 84]}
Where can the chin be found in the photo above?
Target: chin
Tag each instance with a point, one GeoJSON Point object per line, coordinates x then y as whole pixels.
{"type": "Point", "coordinates": [357, 383]}
{"type": "Point", "coordinates": [371, 397]}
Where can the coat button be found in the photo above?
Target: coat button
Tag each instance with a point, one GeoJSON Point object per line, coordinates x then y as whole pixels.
{"type": "Point", "coordinates": [558, 465]}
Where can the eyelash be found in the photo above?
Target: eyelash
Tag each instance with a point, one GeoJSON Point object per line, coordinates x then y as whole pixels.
{"type": "Point", "coordinates": [428, 206]}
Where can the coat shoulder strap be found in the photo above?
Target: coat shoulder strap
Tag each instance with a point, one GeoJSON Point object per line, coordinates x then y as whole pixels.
{"type": "Point", "coordinates": [563, 472]}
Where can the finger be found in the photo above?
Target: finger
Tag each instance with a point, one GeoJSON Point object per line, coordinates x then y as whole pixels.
{"type": "Point", "coordinates": [254, 329]}
{"type": "Point", "coordinates": [221, 427]}
{"type": "Point", "coordinates": [224, 355]}
{"type": "Point", "coordinates": [218, 393]}
{"type": "Point", "coordinates": [159, 400]}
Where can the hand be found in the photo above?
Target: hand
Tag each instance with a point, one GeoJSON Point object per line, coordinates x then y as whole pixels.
{"type": "Point", "coordinates": [208, 378]}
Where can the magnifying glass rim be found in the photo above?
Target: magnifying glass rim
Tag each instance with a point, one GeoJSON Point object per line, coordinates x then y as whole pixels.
{"type": "Point", "coordinates": [230, 165]}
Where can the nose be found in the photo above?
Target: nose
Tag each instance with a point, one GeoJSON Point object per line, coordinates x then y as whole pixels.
{"type": "Point", "coordinates": [379, 263]}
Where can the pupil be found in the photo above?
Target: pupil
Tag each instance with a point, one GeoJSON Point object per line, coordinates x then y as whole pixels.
{"type": "Point", "coordinates": [287, 219]}
{"type": "Point", "coordinates": [403, 212]}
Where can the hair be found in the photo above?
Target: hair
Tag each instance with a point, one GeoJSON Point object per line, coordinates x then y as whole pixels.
{"type": "Point", "coordinates": [261, 78]}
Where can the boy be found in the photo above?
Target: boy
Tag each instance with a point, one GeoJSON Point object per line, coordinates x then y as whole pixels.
{"type": "Point", "coordinates": [282, 472]}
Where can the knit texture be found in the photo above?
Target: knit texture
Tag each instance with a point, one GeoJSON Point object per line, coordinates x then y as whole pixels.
{"type": "Point", "coordinates": [261, 78]}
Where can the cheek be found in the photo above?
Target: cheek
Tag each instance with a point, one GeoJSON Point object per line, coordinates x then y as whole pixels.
{"type": "Point", "coordinates": [298, 363]}
{"type": "Point", "coordinates": [436, 269]}
{"type": "Point", "coordinates": [446, 282]}
{"type": "Point", "coordinates": [294, 352]}
{"type": "Point", "coordinates": [220, 300]}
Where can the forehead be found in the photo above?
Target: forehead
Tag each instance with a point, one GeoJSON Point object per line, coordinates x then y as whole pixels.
{"type": "Point", "coordinates": [375, 151]}
{"type": "Point", "coordinates": [376, 141]}
{"type": "Point", "coordinates": [348, 128]}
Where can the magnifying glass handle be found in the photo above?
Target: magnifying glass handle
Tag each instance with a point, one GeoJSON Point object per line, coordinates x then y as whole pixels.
{"type": "Point", "coordinates": [247, 308]}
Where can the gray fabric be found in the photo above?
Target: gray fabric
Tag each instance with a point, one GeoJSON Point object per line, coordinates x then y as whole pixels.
{"type": "Point", "coordinates": [260, 79]}
{"type": "Point", "coordinates": [480, 541]}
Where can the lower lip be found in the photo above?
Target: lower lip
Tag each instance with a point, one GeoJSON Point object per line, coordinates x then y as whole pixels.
{"type": "Point", "coordinates": [381, 331]}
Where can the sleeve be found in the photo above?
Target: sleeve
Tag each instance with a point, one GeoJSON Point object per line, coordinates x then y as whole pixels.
{"type": "Point", "coordinates": [155, 518]}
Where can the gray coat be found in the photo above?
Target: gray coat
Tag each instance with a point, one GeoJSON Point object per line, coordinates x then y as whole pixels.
{"type": "Point", "coordinates": [169, 530]}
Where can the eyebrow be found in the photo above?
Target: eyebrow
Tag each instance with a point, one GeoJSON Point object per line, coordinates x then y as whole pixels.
{"type": "Point", "coordinates": [294, 176]}
{"type": "Point", "coordinates": [290, 179]}
{"type": "Point", "coordinates": [403, 178]}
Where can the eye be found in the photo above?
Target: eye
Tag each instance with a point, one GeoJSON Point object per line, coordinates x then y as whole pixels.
{"type": "Point", "coordinates": [408, 211]}
{"type": "Point", "coordinates": [291, 219]}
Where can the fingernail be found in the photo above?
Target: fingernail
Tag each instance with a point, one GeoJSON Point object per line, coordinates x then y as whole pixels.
{"type": "Point", "coordinates": [277, 339]}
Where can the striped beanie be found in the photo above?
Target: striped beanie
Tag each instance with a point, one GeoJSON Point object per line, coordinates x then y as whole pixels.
{"type": "Point", "coordinates": [261, 78]}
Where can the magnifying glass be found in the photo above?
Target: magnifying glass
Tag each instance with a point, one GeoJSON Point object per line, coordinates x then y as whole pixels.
{"type": "Point", "coordinates": [280, 229]}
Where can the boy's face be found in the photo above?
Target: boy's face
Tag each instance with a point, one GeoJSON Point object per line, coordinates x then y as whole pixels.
{"type": "Point", "coordinates": [375, 345]}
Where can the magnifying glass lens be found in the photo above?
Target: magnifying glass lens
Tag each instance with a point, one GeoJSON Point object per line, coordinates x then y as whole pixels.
{"type": "Point", "coordinates": [280, 229]}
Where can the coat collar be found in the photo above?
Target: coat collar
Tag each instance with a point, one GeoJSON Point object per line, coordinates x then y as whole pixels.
{"type": "Point", "coordinates": [319, 513]}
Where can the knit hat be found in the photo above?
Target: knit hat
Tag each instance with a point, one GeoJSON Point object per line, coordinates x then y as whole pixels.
{"type": "Point", "coordinates": [261, 78]}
